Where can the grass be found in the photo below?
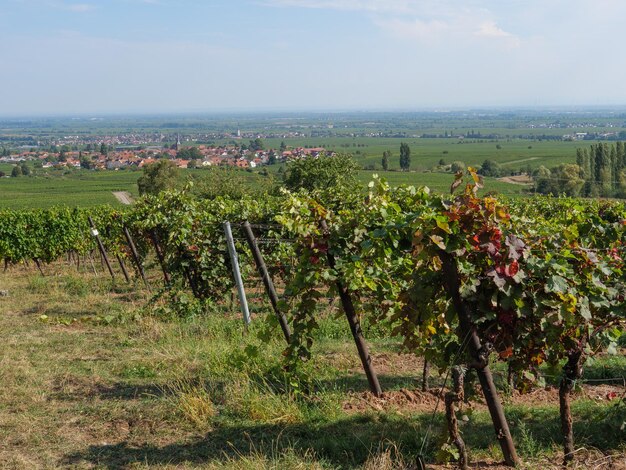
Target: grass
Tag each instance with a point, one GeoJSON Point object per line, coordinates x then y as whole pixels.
{"type": "Point", "coordinates": [92, 379]}
{"type": "Point", "coordinates": [426, 153]}
{"type": "Point", "coordinates": [77, 188]}
{"type": "Point", "coordinates": [82, 188]}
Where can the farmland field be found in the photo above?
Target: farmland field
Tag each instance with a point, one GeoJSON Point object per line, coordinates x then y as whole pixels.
{"type": "Point", "coordinates": [83, 188]}
{"type": "Point", "coordinates": [78, 189]}
{"type": "Point", "coordinates": [426, 153]}
{"type": "Point", "coordinates": [112, 374]}
{"type": "Point", "coordinates": [103, 374]}
{"type": "Point", "coordinates": [519, 141]}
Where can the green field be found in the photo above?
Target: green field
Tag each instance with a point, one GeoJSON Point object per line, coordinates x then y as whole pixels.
{"type": "Point", "coordinates": [80, 188]}
{"type": "Point", "coordinates": [524, 142]}
{"type": "Point", "coordinates": [426, 153]}
{"type": "Point", "coordinates": [87, 188]}
{"type": "Point", "coordinates": [83, 188]}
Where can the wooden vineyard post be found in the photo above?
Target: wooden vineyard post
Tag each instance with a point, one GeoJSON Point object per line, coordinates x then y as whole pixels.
{"type": "Point", "coordinates": [133, 251]}
{"type": "Point", "coordinates": [38, 264]}
{"type": "Point", "coordinates": [159, 252]}
{"type": "Point", "coordinates": [236, 273]}
{"type": "Point", "coordinates": [267, 280]}
{"type": "Point", "coordinates": [123, 267]}
{"type": "Point", "coordinates": [93, 266]}
{"type": "Point", "coordinates": [103, 253]}
{"type": "Point", "coordinates": [355, 326]}
{"type": "Point", "coordinates": [480, 356]}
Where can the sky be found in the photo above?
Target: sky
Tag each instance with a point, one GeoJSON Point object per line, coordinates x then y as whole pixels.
{"type": "Point", "coordinates": [60, 57]}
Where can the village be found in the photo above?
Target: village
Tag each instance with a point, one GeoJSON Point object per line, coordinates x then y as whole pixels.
{"type": "Point", "coordinates": [201, 156]}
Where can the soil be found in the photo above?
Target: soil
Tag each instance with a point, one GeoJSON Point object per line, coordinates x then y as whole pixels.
{"type": "Point", "coordinates": [414, 400]}
{"type": "Point", "coordinates": [418, 401]}
{"type": "Point", "coordinates": [585, 460]}
{"type": "Point", "coordinates": [124, 197]}
{"type": "Point", "coordinates": [519, 179]}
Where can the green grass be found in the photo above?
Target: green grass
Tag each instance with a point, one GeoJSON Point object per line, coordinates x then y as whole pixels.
{"type": "Point", "coordinates": [77, 189]}
{"type": "Point", "coordinates": [426, 153]}
{"type": "Point", "coordinates": [91, 379]}
{"type": "Point", "coordinates": [82, 188]}
{"type": "Point", "coordinates": [6, 168]}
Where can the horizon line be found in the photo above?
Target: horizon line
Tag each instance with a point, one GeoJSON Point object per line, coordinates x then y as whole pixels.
{"type": "Point", "coordinates": [297, 111]}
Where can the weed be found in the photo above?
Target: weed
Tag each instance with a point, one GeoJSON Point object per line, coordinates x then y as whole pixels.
{"type": "Point", "coordinates": [193, 402]}
{"type": "Point", "coordinates": [260, 403]}
{"type": "Point", "coordinates": [75, 286]}
{"type": "Point", "coordinates": [39, 284]}
{"type": "Point", "coordinates": [138, 371]}
{"type": "Point", "coordinates": [526, 443]}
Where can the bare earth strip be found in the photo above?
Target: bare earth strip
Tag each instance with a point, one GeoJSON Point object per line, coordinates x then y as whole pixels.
{"type": "Point", "coordinates": [519, 179]}
{"type": "Point", "coordinates": [124, 197]}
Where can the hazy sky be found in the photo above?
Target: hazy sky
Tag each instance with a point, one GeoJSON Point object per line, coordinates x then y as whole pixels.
{"type": "Point", "coordinates": [63, 57]}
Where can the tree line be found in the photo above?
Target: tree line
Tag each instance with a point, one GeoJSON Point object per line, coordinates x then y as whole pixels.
{"type": "Point", "coordinates": [599, 171]}
{"type": "Point", "coordinates": [405, 158]}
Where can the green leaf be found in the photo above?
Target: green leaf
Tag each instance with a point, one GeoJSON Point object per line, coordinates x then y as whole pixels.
{"type": "Point", "coordinates": [584, 308]}
{"type": "Point", "coordinates": [556, 284]}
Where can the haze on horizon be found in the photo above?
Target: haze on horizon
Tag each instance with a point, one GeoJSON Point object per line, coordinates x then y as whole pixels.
{"type": "Point", "coordinates": [174, 56]}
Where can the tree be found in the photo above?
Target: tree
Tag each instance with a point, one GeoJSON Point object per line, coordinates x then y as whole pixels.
{"type": "Point", "coordinates": [490, 168]}
{"type": "Point", "coordinates": [543, 180]}
{"type": "Point", "coordinates": [405, 156]}
{"type": "Point", "coordinates": [325, 173]}
{"type": "Point", "coordinates": [25, 169]}
{"type": "Point", "coordinates": [283, 146]}
{"type": "Point", "coordinates": [189, 153]}
{"type": "Point", "coordinates": [103, 149]}
{"type": "Point", "coordinates": [62, 156]}
{"type": "Point", "coordinates": [271, 159]}
{"type": "Point", "coordinates": [228, 182]}
{"type": "Point", "coordinates": [17, 171]}
{"type": "Point", "coordinates": [256, 144]}
{"type": "Point", "coordinates": [457, 166]}
{"type": "Point", "coordinates": [157, 177]}
{"type": "Point", "coordinates": [569, 180]}
{"type": "Point", "coordinates": [86, 163]}
{"type": "Point", "coordinates": [385, 160]}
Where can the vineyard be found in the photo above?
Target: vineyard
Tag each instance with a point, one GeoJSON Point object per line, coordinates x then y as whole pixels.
{"type": "Point", "coordinates": [484, 296]}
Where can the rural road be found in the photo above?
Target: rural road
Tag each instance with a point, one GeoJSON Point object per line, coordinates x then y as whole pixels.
{"type": "Point", "coordinates": [123, 196]}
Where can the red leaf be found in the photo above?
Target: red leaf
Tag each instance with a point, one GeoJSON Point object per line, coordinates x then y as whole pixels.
{"type": "Point", "coordinates": [512, 269]}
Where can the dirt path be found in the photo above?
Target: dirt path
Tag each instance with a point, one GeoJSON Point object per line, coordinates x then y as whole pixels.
{"type": "Point", "coordinates": [124, 197]}
{"type": "Point", "coordinates": [520, 179]}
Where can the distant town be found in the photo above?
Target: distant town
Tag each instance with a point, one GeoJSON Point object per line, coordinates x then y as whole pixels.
{"type": "Point", "coordinates": [109, 154]}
